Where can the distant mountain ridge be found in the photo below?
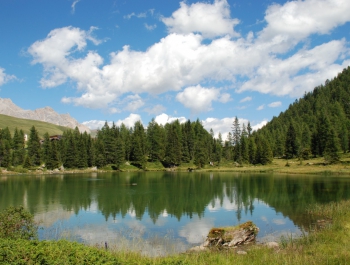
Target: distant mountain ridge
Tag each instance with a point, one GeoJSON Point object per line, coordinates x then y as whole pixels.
{"type": "Point", "coordinates": [47, 114]}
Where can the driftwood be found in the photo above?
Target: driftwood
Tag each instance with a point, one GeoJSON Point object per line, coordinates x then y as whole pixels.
{"type": "Point", "coordinates": [229, 237]}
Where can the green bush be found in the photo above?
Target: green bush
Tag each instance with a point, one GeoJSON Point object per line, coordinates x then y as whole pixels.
{"type": "Point", "coordinates": [17, 223]}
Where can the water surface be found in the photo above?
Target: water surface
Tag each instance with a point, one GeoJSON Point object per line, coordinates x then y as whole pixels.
{"type": "Point", "coordinates": [159, 213]}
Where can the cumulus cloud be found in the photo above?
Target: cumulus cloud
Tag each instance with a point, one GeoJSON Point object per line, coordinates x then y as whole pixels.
{"type": "Point", "coordinates": [259, 125]}
{"type": "Point", "coordinates": [275, 104]}
{"type": "Point", "coordinates": [157, 109]}
{"type": "Point", "coordinates": [133, 102]}
{"type": "Point", "coordinates": [261, 107]}
{"type": "Point", "coordinates": [128, 122]}
{"type": "Point", "coordinates": [4, 78]}
{"type": "Point", "coordinates": [184, 60]}
{"type": "Point", "coordinates": [199, 99]}
{"type": "Point", "coordinates": [245, 99]}
{"type": "Point", "coordinates": [163, 119]}
{"type": "Point", "coordinates": [282, 77]}
{"type": "Point", "coordinates": [223, 126]}
{"type": "Point", "coordinates": [296, 20]}
{"type": "Point", "coordinates": [210, 20]}
{"type": "Point", "coordinates": [150, 27]}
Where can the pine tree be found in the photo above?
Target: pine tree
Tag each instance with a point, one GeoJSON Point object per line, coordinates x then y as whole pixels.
{"type": "Point", "coordinates": [332, 147]}
{"type": "Point", "coordinates": [34, 147]}
{"type": "Point", "coordinates": [71, 151]}
{"type": "Point", "coordinates": [46, 149]}
{"type": "Point", "coordinates": [236, 137]}
{"type": "Point", "coordinates": [18, 148]}
{"type": "Point", "coordinates": [120, 153]}
{"type": "Point", "coordinates": [291, 148]}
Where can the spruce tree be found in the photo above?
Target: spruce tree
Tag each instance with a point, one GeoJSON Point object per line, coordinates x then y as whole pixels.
{"type": "Point", "coordinates": [34, 147]}
{"type": "Point", "coordinates": [291, 148]}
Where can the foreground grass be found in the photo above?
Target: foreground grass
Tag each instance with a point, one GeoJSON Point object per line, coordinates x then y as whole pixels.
{"type": "Point", "coordinates": [328, 245]}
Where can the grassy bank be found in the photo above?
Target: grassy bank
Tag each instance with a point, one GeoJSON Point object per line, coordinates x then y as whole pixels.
{"type": "Point", "coordinates": [278, 165]}
{"type": "Point", "coordinates": [327, 245]}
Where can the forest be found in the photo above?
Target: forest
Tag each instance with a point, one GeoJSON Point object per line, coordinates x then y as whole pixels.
{"type": "Point", "coordinates": [316, 125]}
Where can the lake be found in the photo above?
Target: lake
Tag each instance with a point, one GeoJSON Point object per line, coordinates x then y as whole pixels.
{"type": "Point", "coordinates": [161, 213]}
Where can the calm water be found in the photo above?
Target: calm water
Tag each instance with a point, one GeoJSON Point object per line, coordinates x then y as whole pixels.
{"type": "Point", "coordinates": [159, 213]}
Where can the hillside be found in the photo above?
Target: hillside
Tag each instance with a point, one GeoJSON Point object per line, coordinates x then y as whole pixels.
{"type": "Point", "coordinates": [47, 114]}
{"type": "Point", "coordinates": [318, 124]}
{"type": "Point", "coordinates": [25, 125]}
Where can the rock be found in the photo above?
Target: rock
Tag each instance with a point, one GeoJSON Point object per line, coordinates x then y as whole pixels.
{"type": "Point", "coordinates": [273, 245]}
{"type": "Point", "coordinates": [231, 236]}
{"type": "Point", "coordinates": [198, 249]}
{"type": "Point", "coordinates": [241, 252]}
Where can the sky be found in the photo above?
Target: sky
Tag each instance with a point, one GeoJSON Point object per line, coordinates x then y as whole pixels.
{"type": "Point", "coordinates": [127, 60]}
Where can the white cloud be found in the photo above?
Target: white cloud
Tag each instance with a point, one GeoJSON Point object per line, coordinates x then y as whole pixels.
{"type": "Point", "coordinates": [157, 109]}
{"type": "Point", "coordinates": [196, 231]}
{"type": "Point", "coordinates": [259, 125]}
{"type": "Point", "coordinates": [183, 59]}
{"type": "Point", "coordinates": [4, 78]}
{"type": "Point", "coordinates": [223, 126]}
{"type": "Point", "coordinates": [163, 119]}
{"type": "Point", "coordinates": [296, 20]}
{"type": "Point", "coordinates": [282, 77]}
{"type": "Point", "coordinates": [199, 99]}
{"type": "Point", "coordinates": [74, 4]}
{"type": "Point", "coordinates": [211, 20]}
{"type": "Point", "coordinates": [261, 107]}
{"type": "Point", "coordinates": [245, 99]}
{"type": "Point", "coordinates": [128, 122]}
{"type": "Point", "coordinates": [150, 27]}
{"type": "Point", "coordinates": [275, 104]}
{"type": "Point", "coordinates": [133, 103]}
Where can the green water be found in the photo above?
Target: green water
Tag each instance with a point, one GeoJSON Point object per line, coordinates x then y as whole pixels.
{"type": "Point", "coordinates": [96, 208]}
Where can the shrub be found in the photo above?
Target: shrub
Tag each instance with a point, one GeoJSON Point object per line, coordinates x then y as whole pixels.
{"type": "Point", "coordinates": [17, 223]}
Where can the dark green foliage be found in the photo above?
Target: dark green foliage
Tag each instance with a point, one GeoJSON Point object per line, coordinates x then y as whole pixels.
{"type": "Point", "coordinates": [156, 141]}
{"type": "Point", "coordinates": [264, 154]}
{"type": "Point", "coordinates": [314, 117]}
{"type": "Point", "coordinates": [27, 163]}
{"type": "Point", "coordinates": [173, 150]}
{"type": "Point", "coordinates": [18, 152]}
{"type": "Point", "coordinates": [291, 147]}
{"type": "Point", "coordinates": [53, 252]}
{"type": "Point", "coordinates": [332, 147]}
{"type": "Point", "coordinates": [53, 158]}
{"type": "Point", "coordinates": [17, 223]}
{"type": "Point", "coordinates": [34, 147]}
{"type": "Point", "coordinates": [71, 151]}
{"type": "Point", "coordinates": [120, 153]}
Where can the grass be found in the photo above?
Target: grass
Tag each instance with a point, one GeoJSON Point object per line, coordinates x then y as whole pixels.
{"type": "Point", "coordinates": [26, 125]}
{"type": "Point", "coordinates": [327, 245]}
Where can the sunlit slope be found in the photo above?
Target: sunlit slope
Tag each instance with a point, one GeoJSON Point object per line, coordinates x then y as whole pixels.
{"type": "Point", "coordinates": [26, 125]}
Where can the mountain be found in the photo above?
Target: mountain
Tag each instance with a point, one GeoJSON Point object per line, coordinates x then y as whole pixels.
{"type": "Point", "coordinates": [47, 114]}
{"type": "Point", "coordinates": [317, 124]}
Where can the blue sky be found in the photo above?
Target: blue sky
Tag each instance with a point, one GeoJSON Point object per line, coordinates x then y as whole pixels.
{"type": "Point", "coordinates": [132, 60]}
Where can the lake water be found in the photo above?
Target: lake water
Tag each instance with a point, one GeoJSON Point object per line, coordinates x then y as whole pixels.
{"type": "Point", "coordinates": [163, 213]}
